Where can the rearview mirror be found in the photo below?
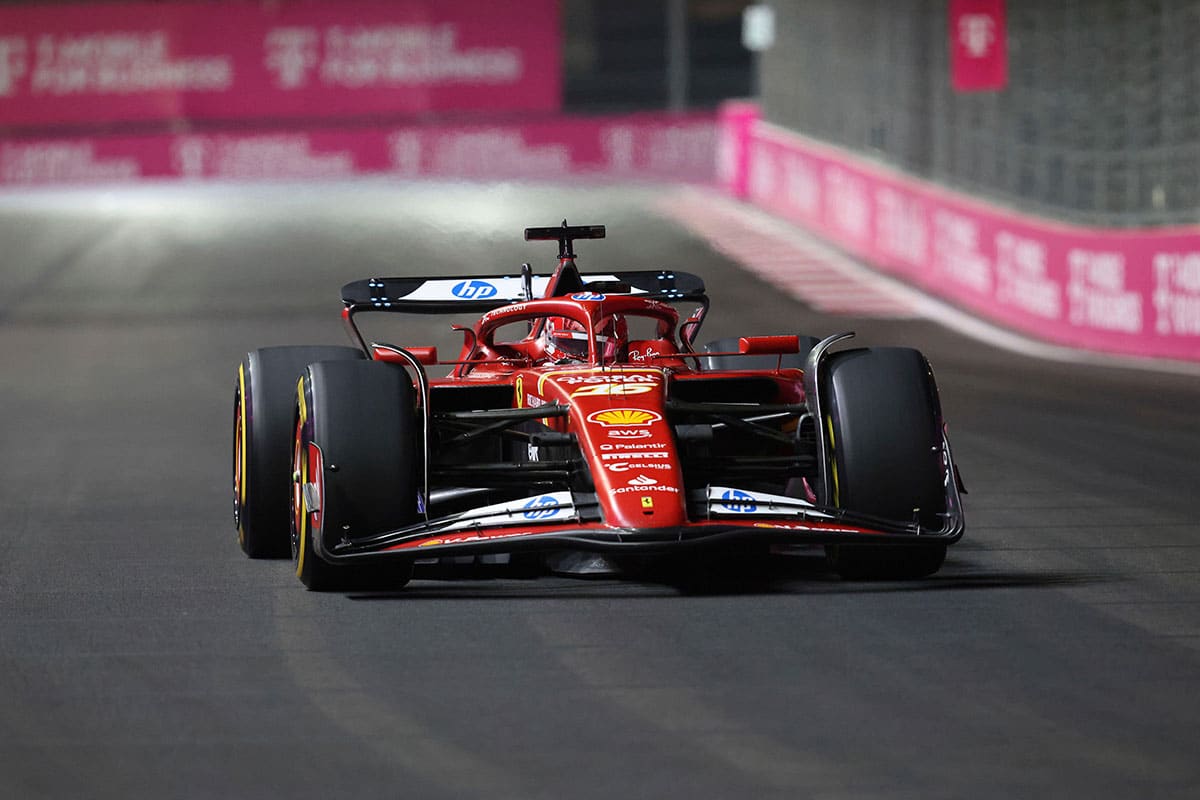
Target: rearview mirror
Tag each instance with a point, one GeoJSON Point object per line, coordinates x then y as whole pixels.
{"type": "Point", "coordinates": [768, 345]}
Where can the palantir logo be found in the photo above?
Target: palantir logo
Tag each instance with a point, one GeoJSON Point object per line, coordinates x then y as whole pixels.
{"type": "Point", "coordinates": [474, 290]}
{"type": "Point", "coordinates": [543, 507]}
{"type": "Point", "coordinates": [13, 63]}
{"type": "Point", "coordinates": [737, 502]}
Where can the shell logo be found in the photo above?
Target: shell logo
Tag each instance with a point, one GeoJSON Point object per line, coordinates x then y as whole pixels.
{"type": "Point", "coordinates": [623, 416]}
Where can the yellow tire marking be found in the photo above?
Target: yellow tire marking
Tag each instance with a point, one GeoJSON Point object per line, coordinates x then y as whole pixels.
{"type": "Point", "coordinates": [833, 462]}
{"type": "Point", "coordinates": [302, 522]}
{"type": "Point", "coordinates": [241, 460]}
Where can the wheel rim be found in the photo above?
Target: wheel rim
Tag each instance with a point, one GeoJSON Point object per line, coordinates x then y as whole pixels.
{"type": "Point", "coordinates": [299, 518]}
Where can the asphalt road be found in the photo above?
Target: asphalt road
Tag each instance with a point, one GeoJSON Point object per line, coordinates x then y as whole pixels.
{"type": "Point", "coordinates": [1057, 654]}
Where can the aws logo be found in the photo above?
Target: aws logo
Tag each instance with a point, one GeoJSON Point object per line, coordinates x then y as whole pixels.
{"type": "Point", "coordinates": [627, 435]}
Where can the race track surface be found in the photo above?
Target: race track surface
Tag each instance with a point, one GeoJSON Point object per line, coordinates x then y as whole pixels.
{"type": "Point", "coordinates": [1057, 654]}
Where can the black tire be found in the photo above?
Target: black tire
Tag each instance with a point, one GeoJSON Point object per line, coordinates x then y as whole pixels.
{"type": "Point", "coordinates": [361, 417]}
{"type": "Point", "coordinates": [730, 345]}
{"type": "Point", "coordinates": [884, 422]}
{"type": "Point", "coordinates": [263, 402]}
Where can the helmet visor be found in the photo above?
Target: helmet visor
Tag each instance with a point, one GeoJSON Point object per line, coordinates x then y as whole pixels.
{"type": "Point", "coordinates": [575, 343]}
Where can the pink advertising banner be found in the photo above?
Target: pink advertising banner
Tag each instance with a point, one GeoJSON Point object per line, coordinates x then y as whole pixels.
{"type": "Point", "coordinates": [68, 64]}
{"type": "Point", "coordinates": [630, 147]}
{"type": "Point", "coordinates": [1132, 292]}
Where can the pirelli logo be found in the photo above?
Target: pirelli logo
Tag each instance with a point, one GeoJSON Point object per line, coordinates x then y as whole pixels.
{"type": "Point", "coordinates": [638, 455]}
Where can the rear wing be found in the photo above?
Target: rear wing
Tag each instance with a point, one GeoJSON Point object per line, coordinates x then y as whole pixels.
{"type": "Point", "coordinates": [480, 293]}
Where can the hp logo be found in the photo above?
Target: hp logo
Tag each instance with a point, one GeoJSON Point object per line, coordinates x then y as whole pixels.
{"type": "Point", "coordinates": [737, 502]}
{"type": "Point", "coordinates": [473, 290]}
{"type": "Point", "coordinates": [543, 507]}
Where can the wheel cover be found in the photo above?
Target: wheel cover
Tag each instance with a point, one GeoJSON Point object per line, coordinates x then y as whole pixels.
{"type": "Point", "coordinates": [299, 517]}
{"type": "Point", "coordinates": [305, 468]}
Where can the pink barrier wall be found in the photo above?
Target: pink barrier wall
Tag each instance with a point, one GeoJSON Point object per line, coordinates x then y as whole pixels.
{"type": "Point", "coordinates": [153, 61]}
{"type": "Point", "coordinates": [1133, 292]}
{"type": "Point", "coordinates": [636, 146]}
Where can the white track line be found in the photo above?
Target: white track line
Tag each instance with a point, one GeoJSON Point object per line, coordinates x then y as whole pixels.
{"type": "Point", "coordinates": [804, 268]}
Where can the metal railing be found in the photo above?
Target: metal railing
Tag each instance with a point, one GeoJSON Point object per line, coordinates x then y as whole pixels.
{"type": "Point", "coordinates": [1100, 122]}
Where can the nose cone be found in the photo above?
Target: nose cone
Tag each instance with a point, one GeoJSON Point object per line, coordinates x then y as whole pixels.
{"type": "Point", "coordinates": [617, 415]}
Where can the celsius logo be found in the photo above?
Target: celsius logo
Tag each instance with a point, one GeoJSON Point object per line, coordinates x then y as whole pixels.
{"type": "Point", "coordinates": [625, 466]}
{"type": "Point", "coordinates": [736, 502]}
{"type": "Point", "coordinates": [543, 507]}
{"type": "Point", "coordinates": [643, 480]}
{"type": "Point", "coordinates": [474, 290]}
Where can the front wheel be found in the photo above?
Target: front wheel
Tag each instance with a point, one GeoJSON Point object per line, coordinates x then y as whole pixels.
{"type": "Point", "coordinates": [263, 400]}
{"type": "Point", "coordinates": [884, 429]}
{"type": "Point", "coordinates": [354, 471]}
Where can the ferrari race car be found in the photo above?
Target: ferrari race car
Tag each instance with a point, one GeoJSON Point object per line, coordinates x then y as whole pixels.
{"type": "Point", "coordinates": [580, 419]}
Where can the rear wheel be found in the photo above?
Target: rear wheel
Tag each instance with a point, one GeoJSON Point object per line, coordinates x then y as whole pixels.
{"type": "Point", "coordinates": [262, 431]}
{"type": "Point", "coordinates": [883, 423]}
{"type": "Point", "coordinates": [354, 470]}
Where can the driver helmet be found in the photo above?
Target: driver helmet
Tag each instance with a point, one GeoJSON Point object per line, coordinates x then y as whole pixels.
{"type": "Point", "coordinates": [566, 339]}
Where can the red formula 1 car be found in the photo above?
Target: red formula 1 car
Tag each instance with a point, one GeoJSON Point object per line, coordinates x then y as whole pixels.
{"type": "Point", "coordinates": [579, 419]}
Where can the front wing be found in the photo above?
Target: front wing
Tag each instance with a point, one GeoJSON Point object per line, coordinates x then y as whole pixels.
{"type": "Point", "coordinates": [500, 530]}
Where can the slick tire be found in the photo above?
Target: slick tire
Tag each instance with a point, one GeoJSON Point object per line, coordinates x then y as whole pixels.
{"type": "Point", "coordinates": [355, 444]}
{"type": "Point", "coordinates": [263, 401]}
{"type": "Point", "coordinates": [884, 426]}
{"type": "Point", "coordinates": [730, 345]}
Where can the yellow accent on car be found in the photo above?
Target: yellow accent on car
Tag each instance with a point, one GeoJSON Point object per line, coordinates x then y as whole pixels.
{"type": "Point", "coordinates": [623, 416]}
{"type": "Point", "coordinates": [241, 460]}
{"type": "Point", "coordinates": [302, 545]}
{"type": "Point", "coordinates": [833, 471]}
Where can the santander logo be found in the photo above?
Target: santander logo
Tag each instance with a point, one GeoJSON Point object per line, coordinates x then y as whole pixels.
{"type": "Point", "coordinates": [642, 480]}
